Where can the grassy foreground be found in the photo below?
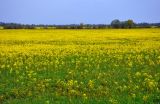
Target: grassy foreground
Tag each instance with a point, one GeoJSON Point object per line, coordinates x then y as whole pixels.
{"type": "Point", "coordinates": [80, 66]}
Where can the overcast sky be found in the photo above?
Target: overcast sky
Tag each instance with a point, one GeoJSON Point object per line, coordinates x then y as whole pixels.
{"type": "Point", "coordinates": [77, 11]}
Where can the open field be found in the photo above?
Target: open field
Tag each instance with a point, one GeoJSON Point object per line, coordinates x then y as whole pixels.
{"type": "Point", "coordinates": [80, 66]}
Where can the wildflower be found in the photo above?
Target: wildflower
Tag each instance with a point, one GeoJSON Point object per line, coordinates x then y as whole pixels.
{"type": "Point", "coordinates": [84, 96]}
{"type": "Point", "coordinates": [133, 95]}
{"type": "Point", "coordinates": [138, 74]}
{"type": "Point", "coordinates": [124, 87]}
{"type": "Point", "coordinates": [116, 83]}
{"type": "Point", "coordinates": [130, 64]}
{"type": "Point", "coordinates": [47, 102]}
{"type": "Point", "coordinates": [91, 84]}
{"type": "Point", "coordinates": [73, 92]}
{"type": "Point", "coordinates": [151, 84]}
{"type": "Point", "coordinates": [113, 101]}
{"type": "Point", "coordinates": [2, 66]}
{"type": "Point", "coordinates": [145, 74]}
{"type": "Point", "coordinates": [145, 97]}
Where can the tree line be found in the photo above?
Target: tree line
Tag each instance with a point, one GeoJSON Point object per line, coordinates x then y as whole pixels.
{"type": "Point", "coordinates": [123, 24]}
{"type": "Point", "coordinates": [117, 24]}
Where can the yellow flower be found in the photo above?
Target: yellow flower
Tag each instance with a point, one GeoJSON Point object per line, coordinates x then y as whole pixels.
{"type": "Point", "coordinates": [84, 96]}
{"type": "Point", "coordinates": [133, 95]}
{"type": "Point", "coordinates": [138, 74]}
{"type": "Point", "coordinates": [145, 74]}
{"type": "Point", "coordinates": [130, 64]}
{"type": "Point", "coordinates": [145, 97]}
{"type": "Point", "coordinates": [91, 83]}
{"type": "Point", "coordinates": [151, 84]}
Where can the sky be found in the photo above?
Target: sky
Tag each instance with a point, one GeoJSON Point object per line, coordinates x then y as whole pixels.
{"type": "Point", "coordinates": [78, 11]}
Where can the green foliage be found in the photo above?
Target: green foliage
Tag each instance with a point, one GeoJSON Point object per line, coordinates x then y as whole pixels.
{"type": "Point", "coordinates": [122, 24]}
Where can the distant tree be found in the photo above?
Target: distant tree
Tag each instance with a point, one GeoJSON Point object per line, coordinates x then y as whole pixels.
{"type": "Point", "coordinates": [123, 24]}
{"type": "Point", "coordinates": [115, 23]}
{"type": "Point", "coordinates": [130, 23]}
{"type": "Point", "coordinates": [81, 25]}
{"type": "Point", "coordinates": [144, 25]}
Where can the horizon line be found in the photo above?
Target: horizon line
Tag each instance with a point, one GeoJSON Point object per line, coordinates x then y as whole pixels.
{"type": "Point", "coordinates": [73, 23]}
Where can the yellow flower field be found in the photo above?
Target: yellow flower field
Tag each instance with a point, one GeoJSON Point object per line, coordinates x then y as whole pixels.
{"type": "Point", "coordinates": [107, 66]}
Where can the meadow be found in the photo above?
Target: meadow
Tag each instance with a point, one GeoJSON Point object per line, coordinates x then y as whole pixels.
{"type": "Point", "coordinates": [106, 66]}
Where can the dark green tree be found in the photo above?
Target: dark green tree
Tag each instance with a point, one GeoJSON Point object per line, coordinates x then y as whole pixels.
{"type": "Point", "coordinates": [115, 23]}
